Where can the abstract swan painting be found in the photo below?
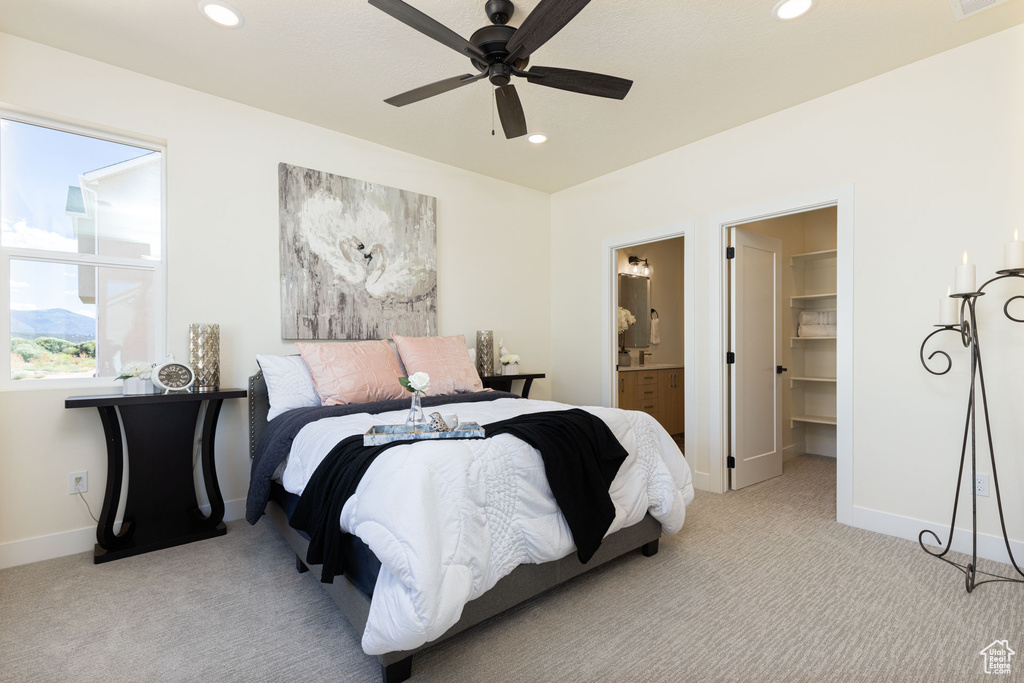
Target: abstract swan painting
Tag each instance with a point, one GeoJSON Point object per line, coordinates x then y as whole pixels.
{"type": "Point", "coordinates": [358, 260]}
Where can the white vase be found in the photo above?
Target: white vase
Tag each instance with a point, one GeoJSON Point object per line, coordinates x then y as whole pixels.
{"type": "Point", "coordinates": [135, 385]}
{"type": "Point", "coordinates": [510, 369]}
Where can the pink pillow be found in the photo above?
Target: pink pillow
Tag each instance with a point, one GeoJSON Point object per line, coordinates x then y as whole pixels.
{"type": "Point", "coordinates": [354, 372]}
{"type": "Point", "coordinates": [445, 359]}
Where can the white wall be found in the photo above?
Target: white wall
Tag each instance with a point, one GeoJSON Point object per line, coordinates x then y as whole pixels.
{"type": "Point", "coordinates": [222, 226]}
{"type": "Point", "coordinates": [935, 151]}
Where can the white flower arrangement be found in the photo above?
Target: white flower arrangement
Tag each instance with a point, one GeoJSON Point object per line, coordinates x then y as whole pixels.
{"type": "Point", "coordinates": [626, 319]}
{"type": "Point", "coordinates": [417, 383]}
{"type": "Point", "coordinates": [138, 369]}
{"type": "Point", "coordinates": [504, 356]}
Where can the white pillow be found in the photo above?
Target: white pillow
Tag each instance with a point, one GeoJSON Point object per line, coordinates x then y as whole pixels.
{"type": "Point", "coordinates": [289, 383]}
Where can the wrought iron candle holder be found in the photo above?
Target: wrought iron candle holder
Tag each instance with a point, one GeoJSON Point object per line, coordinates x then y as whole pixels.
{"type": "Point", "coordinates": [968, 330]}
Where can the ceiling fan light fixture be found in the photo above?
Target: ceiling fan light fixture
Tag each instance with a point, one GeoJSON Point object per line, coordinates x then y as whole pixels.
{"type": "Point", "coordinates": [221, 13]}
{"type": "Point", "coordinates": [538, 138]}
{"type": "Point", "coordinates": [785, 10]}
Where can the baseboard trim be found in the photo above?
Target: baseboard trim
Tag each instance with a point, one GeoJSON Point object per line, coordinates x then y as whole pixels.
{"type": "Point", "coordinates": [39, 548]}
{"type": "Point", "coordinates": [701, 481]}
{"type": "Point", "coordinates": [989, 547]}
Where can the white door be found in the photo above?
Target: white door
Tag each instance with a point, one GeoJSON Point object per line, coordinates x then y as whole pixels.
{"type": "Point", "coordinates": [756, 389]}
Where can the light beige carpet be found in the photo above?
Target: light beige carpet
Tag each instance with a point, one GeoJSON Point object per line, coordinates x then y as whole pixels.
{"type": "Point", "coordinates": [761, 585]}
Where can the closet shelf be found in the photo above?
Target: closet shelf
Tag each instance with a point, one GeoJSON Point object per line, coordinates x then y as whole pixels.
{"type": "Point", "coordinates": [814, 419]}
{"type": "Point", "coordinates": [827, 380]}
{"type": "Point", "coordinates": [813, 256]}
{"type": "Point", "coordinates": [797, 301]}
{"type": "Point", "coordinates": [802, 339]}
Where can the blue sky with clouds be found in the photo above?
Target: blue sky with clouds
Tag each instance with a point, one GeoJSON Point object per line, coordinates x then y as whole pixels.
{"type": "Point", "coordinates": [37, 166]}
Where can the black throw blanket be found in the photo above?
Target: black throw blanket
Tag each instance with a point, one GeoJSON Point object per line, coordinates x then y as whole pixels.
{"type": "Point", "coordinates": [581, 457]}
{"type": "Point", "coordinates": [319, 508]}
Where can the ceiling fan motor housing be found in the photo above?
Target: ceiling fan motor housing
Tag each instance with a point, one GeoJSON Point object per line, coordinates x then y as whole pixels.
{"type": "Point", "coordinates": [492, 41]}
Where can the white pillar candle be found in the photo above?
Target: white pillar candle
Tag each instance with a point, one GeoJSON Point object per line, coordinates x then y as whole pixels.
{"type": "Point", "coordinates": [1013, 254]}
{"type": "Point", "coordinates": [948, 310]}
{"type": "Point", "coordinates": [966, 277]}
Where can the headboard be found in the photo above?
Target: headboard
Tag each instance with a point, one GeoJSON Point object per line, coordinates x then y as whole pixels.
{"type": "Point", "coordinates": [259, 408]}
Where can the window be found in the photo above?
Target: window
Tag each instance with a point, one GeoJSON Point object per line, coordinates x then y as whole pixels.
{"type": "Point", "coordinates": [81, 253]}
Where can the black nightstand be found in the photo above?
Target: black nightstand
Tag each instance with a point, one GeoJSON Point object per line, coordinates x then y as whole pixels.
{"type": "Point", "coordinates": [161, 509]}
{"type": "Point", "coordinates": [504, 382]}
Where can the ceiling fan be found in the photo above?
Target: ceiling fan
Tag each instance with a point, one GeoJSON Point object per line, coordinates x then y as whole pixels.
{"type": "Point", "coordinates": [499, 52]}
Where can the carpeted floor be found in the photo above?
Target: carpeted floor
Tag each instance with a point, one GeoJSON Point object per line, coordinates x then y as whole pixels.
{"type": "Point", "coordinates": [761, 585]}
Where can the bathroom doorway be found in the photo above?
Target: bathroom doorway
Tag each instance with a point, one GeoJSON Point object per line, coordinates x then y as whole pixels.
{"type": "Point", "coordinates": [650, 367]}
{"type": "Point", "coordinates": [650, 275]}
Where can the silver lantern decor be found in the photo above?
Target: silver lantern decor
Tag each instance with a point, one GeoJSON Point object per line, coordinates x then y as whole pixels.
{"type": "Point", "coordinates": [485, 352]}
{"type": "Point", "coordinates": [204, 355]}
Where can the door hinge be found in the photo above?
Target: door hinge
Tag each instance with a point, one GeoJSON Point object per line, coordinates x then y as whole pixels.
{"type": "Point", "coordinates": [779, 369]}
{"type": "Point", "coordinates": [730, 252]}
{"type": "Point", "coordinates": [730, 358]}
{"type": "Point", "coordinates": [730, 462]}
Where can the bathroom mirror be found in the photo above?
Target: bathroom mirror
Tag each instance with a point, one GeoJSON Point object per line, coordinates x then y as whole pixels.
{"type": "Point", "coordinates": [634, 296]}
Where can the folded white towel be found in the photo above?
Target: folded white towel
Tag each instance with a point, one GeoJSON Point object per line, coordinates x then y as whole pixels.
{"type": "Point", "coordinates": [655, 330]}
{"type": "Point", "coordinates": [816, 331]}
{"type": "Point", "coordinates": [817, 317]}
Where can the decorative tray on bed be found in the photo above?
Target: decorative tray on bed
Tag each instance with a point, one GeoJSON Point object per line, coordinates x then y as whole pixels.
{"type": "Point", "coordinates": [379, 435]}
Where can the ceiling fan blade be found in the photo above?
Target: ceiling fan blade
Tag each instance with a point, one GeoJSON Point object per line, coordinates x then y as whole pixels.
{"type": "Point", "coordinates": [510, 111]}
{"type": "Point", "coordinates": [546, 19]}
{"type": "Point", "coordinates": [580, 81]}
{"type": "Point", "coordinates": [425, 91]}
{"type": "Point", "coordinates": [409, 15]}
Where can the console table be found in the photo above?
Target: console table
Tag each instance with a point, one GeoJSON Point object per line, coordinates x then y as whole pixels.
{"type": "Point", "coordinates": [504, 382]}
{"type": "Point", "coordinates": [161, 509]}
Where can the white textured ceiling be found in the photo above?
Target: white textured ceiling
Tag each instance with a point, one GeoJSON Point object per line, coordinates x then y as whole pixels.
{"type": "Point", "coordinates": [699, 67]}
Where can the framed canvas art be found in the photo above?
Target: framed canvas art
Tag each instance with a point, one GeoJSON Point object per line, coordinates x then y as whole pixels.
{"type": "Point", "coordinates": [358, 260]}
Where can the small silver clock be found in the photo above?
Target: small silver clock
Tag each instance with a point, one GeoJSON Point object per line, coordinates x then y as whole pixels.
{"type": "Point", "coordinates": [173, 376]}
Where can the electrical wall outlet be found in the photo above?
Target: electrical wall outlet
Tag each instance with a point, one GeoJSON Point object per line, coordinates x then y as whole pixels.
{"type": "Point", "coordinates": [78, 482]}
{"type": "Point", "coordinates": [981, 484]}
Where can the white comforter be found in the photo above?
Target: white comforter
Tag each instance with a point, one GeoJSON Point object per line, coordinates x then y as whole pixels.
{"type": "Point", "coordinates": [448, 519]}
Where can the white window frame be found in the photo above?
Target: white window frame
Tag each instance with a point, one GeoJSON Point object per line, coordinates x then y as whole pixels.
{"type": "Point", "coordinates": [157, 266]}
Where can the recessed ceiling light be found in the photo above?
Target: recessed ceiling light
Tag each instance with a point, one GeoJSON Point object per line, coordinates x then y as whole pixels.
{"type": "Point", "coordinates": [791, 9]}
{"type": "Point", "coordinates": [221, 13]}
{"type": "Point", "coordinates": [537, 138]}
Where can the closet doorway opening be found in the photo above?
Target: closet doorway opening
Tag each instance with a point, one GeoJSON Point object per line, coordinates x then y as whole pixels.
{"type": "Point", "coordinates": [782, 361]}
{"type": "Point", "coordinates": [720, 437]}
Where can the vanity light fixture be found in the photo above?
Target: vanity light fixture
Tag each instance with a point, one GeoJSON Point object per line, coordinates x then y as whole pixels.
{"type": "Point", "coordinates": [537, 138]}
{"type": "Point", "coordinates": [639, 266]}
{"type": "Point", "coordinates": [785, 10]}
{"type": "Point", "coordinates": [221, 13]}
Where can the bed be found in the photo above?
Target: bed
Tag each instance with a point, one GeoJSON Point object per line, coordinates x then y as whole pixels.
{"type": "Point", "coordinates": [488, 591]}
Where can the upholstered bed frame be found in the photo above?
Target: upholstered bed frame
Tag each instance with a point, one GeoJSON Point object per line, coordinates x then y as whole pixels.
{"type": "Point", "coordinates": [525, 582]}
